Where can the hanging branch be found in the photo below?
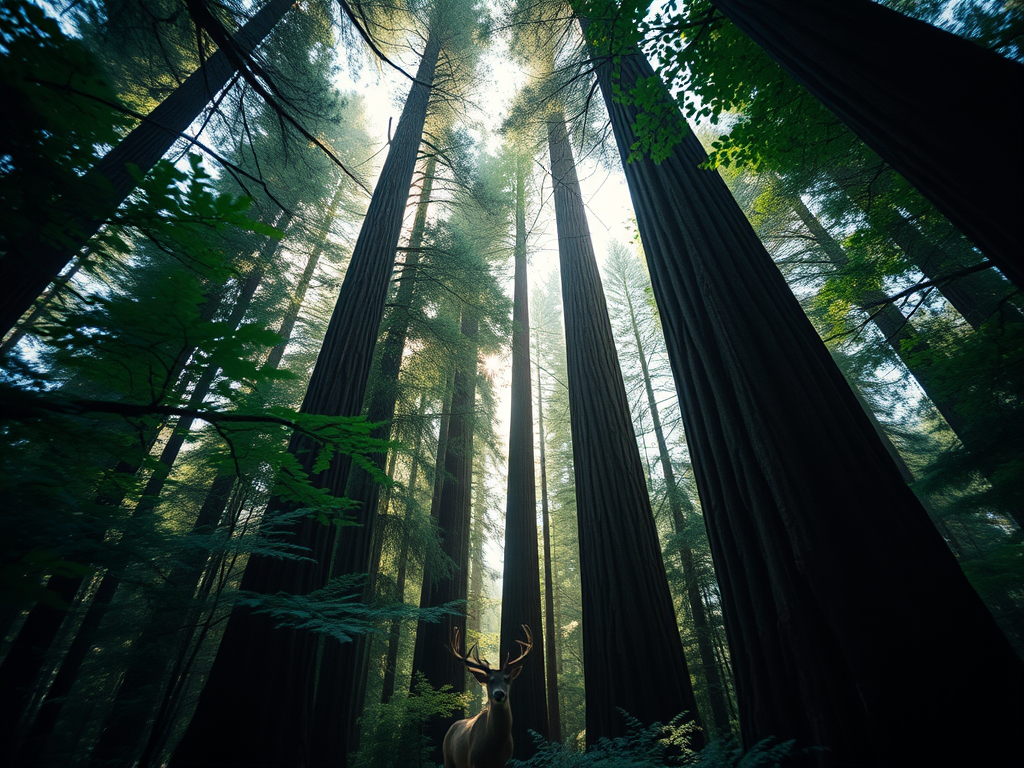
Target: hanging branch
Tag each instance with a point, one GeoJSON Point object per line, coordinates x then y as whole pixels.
{"type": "Point", "coordinates": [252, 73]}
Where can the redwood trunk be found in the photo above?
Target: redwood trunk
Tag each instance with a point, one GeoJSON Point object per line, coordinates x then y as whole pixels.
{"type": "Point", "coordinates": [340, 704]}
{"type": "Point", "coordinates": [818, 543]}
{"type": "Point", "coordinates": [890, 78]}
{"type": "Point", "coordinates": [629, 623]}
{"type": "Point", "coordinates": [520, 593]}
{"type": "Point", "coordinates": [551, 660]}
{"type": "Point", "coordinates": [267, 719]}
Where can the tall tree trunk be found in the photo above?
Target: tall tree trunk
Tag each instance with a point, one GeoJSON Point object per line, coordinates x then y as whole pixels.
{"type": "Point", "coordinates": [889, 77]}
{"type": "Point", "coordinates": [340, 704]}
{"type": "Point", "coordinates": [895, 327]}
{"type": "Point", "coordinates": [268, 719]}
{"type": "Point", "coordinates": [33, 263]}
{"type": "Point", "coordinates": [394, 633]}
{"type": "Point", "coordinates": [551, 661]}
{"type": "Point", "coordinates": [520, 592]}
{"type": "Point", "coordinates": [817, 540]}
{"type": "Point", "coordinates": [628, 617]}
{"type": "Point", "coordinates": [909, 346]}
{"type": "Point", "coordinates": [431, 655]}
{"type": "Point", "coordinates": [127, 723]}
{"type": "Point", "coordinates": [477, 536]}
{"type": "Point", "coordinates": [677, 500]}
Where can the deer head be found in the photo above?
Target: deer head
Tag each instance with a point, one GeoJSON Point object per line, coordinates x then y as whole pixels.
{"type": "Point", "coordinates": [496, 681]}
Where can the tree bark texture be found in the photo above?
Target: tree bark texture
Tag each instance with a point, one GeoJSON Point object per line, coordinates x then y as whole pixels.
{"type": "Point", "coordinates": [893, 80]}
{"type": "Point", "coordinates": [31, 265]}
{"type": "Point", "coordinates": [817, 541]}
{"type": "Point", "coordinates": [430, 654]}
{"type": "Point", "coordinates": [267, 719]}
{"type": "Point", "coordinates": [550, 659]}
{"type": "Point", "coordinates": [676, 501]}
{"type": "Point", "coordinates": [337, 705]}
{"type": "Point", "coordinates": [520, 592]}
{"type": "Point", "coordinates": [632, 652]}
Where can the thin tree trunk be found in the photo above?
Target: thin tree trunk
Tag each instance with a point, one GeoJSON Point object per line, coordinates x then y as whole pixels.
{"type": "Point", "coordinates": [270, 719]}
{"type": "Point", "coordinates": [628, 617]}
{"type": "Point", "coordinates": [127, 723]}
{"type": "Point", "coordinates": [551, 660]}
{"type": "Point", "coordinates": [889, 77]}
{"type": "Point", "coordinates": [816, 539]}
{"type": "Point", "coordinates": [430, 655]}
{"type": "Point", "coordinates": [298, 297]}
{"type": "Point", "coordinates": [442, 445]}
{"type": "Point", "coordinates": [896, 328]}
{"type": "Point", "coordinates": [31, 264]}
{"type": "Point", "coordinates": [677, 500]}
{"type": "Point", "coordinates": [39, 308]}
{"type": "Point", "coordinates": [520, 592]}
{"type": "Point", "coordinates": [394, 633]}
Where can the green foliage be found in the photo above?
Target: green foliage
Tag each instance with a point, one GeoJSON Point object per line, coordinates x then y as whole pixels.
{"type": "Point", "coordinates": [336, 610]}
{"type": "Point", "coordinates": [58, 113]}
{"type": "Point", "coordinates": [393, 733]}
{"type": "Point", "coordinates": [984, 378]}
{"type": "Point", "coordinates": [656, 746]}
{"type": "Point", "coordinates": [82, 411]}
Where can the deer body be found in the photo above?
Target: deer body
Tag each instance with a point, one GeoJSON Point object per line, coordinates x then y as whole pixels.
{"type": "Point", "coordinates": [485, 741]}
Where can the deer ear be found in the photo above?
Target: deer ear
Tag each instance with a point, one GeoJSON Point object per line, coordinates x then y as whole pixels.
{"type": "Point", "coordinates": [481, 676]}
{"type": "Point", "coordinates": [515, 672]}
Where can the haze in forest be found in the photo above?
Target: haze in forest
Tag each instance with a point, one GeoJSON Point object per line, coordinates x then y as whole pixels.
{"type": "Point", "coordinates": [437, 382]}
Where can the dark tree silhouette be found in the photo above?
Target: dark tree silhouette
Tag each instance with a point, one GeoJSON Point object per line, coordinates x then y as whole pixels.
{"type": "Point", "coordinates": [520, 591]}
{"type": "Point", "coordinates": [631, 646]}
{"type": "Point", "coordinates": [31, 264]}
{"type": "Point", "coordinates": [257, 720]}
{"type": "Point", "coordinates": [889, 78]}
{"type": "Point", "coordinates": [339, 704]}
{"type": "Point", "coordinates": [817, 541]}
{"type": "Point", "coordinates": [550, 657]}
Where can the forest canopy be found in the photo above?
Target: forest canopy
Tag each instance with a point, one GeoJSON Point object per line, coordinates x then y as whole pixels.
{"type": "Point", "coordinates": [670, 355]}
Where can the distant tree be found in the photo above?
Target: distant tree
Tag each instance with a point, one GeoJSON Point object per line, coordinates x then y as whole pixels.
{"type": "Point", "coordinates": [520, 592]}
{"type": "Point", "coordinates": [430, 656]}
{"type": "Point", "coordinates": [627, 284]}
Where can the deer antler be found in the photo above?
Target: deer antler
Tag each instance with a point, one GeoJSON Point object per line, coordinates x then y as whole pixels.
{"type": "Point", "coordinates": [526, 645]}
{"type": "Point", "coordinates": [471, 659]}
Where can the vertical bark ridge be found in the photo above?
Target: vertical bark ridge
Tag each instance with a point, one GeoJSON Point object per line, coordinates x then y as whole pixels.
{"type": "Point", "coordinates": [620, 555]}
{"type": "Point", "coordinates": [256, 720]}
{"type": "Point", "coordinates": [520, 593]}
{"type": "Point", "coordinates": [816, 539]}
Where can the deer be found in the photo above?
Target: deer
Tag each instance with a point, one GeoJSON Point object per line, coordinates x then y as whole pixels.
{"type": "Point", "coordinates": [485, 741]}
